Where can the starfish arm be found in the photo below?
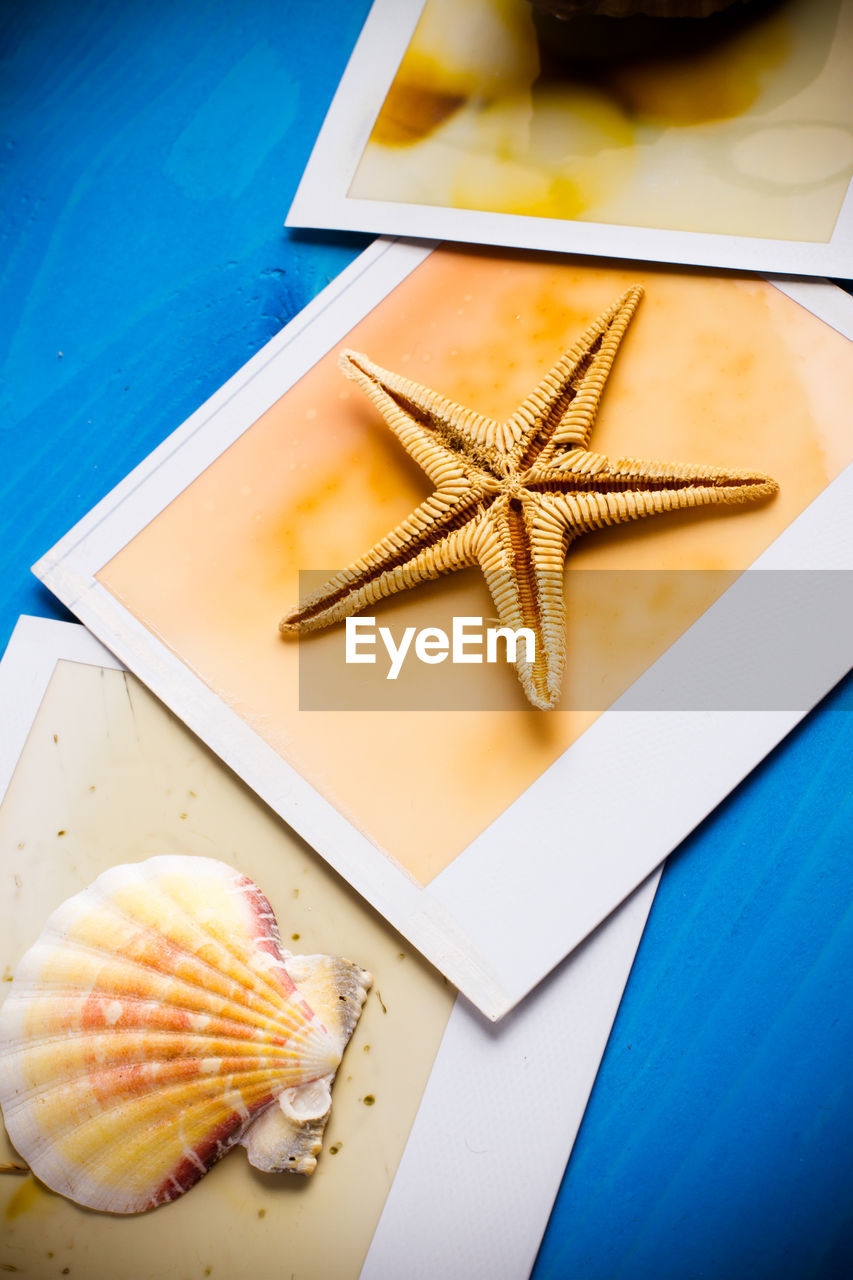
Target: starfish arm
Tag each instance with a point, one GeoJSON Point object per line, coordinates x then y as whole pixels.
{"type": "Point", "coordinates": [445, 439]}
{"type": "Point", "coordinates": [435, 539]}
{"type": "Point", "coordinates": [522, 554]}
{"type": "Point", "coordinates": [562, 409]}
{"type": "Point", "coordinates": [723, 484]}
{"type": "Point", "coordinates": [593, 491]}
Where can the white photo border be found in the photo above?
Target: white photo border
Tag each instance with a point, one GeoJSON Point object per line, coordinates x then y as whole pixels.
{"type": "Point", "coordinates": [322, 201]}
{"type": "Point", "coordinates": [633, 819]}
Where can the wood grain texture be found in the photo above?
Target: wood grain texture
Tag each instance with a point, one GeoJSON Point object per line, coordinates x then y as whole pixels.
{"type": "Point", "coordinates": [148, 156]}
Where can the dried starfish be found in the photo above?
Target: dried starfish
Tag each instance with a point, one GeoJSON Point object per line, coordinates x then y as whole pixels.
{"type": "Point", "coordinates": [511, 496]}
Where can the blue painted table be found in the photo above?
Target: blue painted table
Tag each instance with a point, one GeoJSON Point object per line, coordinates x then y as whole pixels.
{"type": "Point", "coordinates": [149, 153]}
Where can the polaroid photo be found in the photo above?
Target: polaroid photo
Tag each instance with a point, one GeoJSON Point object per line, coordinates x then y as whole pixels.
{"type": "Point", "coordinates": [95, 772]}
{"type": "Point", "coordinates": [725, 140]}
{"type": "Point", "coordinates": [492, 835]}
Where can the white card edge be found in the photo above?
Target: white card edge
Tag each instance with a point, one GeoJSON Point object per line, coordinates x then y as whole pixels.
{"type": "Point", "coordinates": [511, 1164]}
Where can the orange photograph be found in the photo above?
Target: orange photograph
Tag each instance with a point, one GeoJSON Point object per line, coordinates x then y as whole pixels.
{"type": "Point", "coordinates": [712, 371]}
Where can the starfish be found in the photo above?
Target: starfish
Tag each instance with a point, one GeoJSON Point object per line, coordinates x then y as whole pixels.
{"type": "Point", "coordinates": [512, 496]}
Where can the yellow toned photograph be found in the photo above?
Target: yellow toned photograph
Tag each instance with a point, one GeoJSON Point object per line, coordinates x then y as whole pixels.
{"type": "Point", "coordinates": [724, 117]}
{"type": "Point", "coordinates": [109, 778]}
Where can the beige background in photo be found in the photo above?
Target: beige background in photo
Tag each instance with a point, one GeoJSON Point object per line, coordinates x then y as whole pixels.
{"type": "Point", "coordinates": [751, 136]}
{"type": "Point", "coordinates": [719, 370]}
{"type": "Point", "coordinates": [108, 776]}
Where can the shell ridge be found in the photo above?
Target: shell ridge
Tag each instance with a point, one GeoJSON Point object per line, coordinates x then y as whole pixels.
{"type": "Point", "coordinates": [106, 885]}
{"type": "Point", "coordinates": [57, 1176]}
{"type": "Point", "coordinates": [277, 1041]}
{"type": "Point", "coordinates": [101, 888]}
{"type": "Point", "coordinates": [54, 932]}
{"type": "Point", "coordinates": [254, 1080]}
{"type": "Point", "coordinates": [194, 1166]}
{"type": "Point", "coordinates": [146, 967]}
{"type": "Point", "coordinates": [293, 1057]}
{"type": "Point", "coordinates": [256, 1094]}
{"type": "Point", "coordinates": [232, 1063]}
{"type": "Point", "coordinates": [275, 959]}
{"type": "Point", "coordinates": [216, 1025]}
{"type": "Point", "coordinates": [268, 936]}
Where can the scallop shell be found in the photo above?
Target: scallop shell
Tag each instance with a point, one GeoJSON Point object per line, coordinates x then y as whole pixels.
{"type": "Point", "coordinates": [152, 1025]}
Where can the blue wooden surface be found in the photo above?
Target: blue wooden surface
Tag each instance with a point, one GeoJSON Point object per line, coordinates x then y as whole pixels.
{"type": "Point", "coordinates": [149, 153]}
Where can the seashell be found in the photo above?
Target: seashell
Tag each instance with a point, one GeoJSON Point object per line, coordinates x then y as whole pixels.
{"type": "Point", "coordinates": [154, 1023]}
